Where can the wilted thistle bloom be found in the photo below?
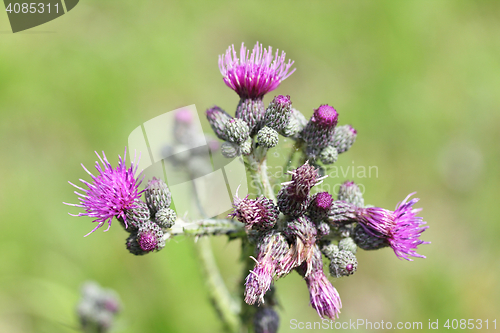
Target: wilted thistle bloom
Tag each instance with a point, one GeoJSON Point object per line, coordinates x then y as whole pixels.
{"type": "Point", "coordinates": [272, 247]}
{"type": "Point", "coordinates": [293, 197]}
{"type": "Point", "coordinates": [302, 234]}
{"type": "Point", "coordinates": [110, 194]}
{"type": "Point", "coordinates": [251, 76]}
{"type": "Point", "coordinates": [323, 296]}
{"type": "Point", "coordinates": [257, 214]}
{"type": "Point", "coordinates": [401, 228]}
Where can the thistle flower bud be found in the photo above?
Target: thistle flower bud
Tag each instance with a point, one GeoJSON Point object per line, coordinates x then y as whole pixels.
{"type": "Point", "coordinates": [133, 246]}
{"type": "Point", "coordinates": [343, 138]}
{"type": "Point", "coordinates": [328, 155]}
{"type": "Point", "coordinates": [320, 206]}
{"type": "Point", "coordinates": [252, 111]}
{"type": "Point", "coordinates": [295, 125]}
{"type": "Point", "coordinates": [320, 128]}
{"type": "Point", "coordinates": [149, 237]}
{"type": "Point", "coordinates": [278, 112]}
{"type": "Point", "coordinates": [348, 244]}
{"type": "Point", "coordinates": [266, 320]}
{"type": "Point", "coordinates": [267, 137]}
{"type": "Point", "coordinates": [237, 130]}
{"type": "Point", "coordinates": [229, 149]}
{"type": "Point", "coordinates": [350, 193]}
{"type": "Point", "coordinates": [323, 229]}
{"type": "Point", "coordinates": [303, 179]}
{"type": "Point", "coordinates": [217, 119]}
{"type": "Point", "coordinates": [136, 215]}
{"type": "Point", "coordinates": [246, 147]}
{"type": "Point", "coordinates": [343, 263]}
{"type": "Point", "coordinates": [341, 212]}
{"type": "Point", "coordinates": [367, 241]}
{"type": "Point", "coordinates": [292, 205]}
{"type": "Point", "coordinates": [329, 250]}
{"type": "Point", "coordinates": [157, 195]}
{"type": "Point", "coordinates": [165, 217]}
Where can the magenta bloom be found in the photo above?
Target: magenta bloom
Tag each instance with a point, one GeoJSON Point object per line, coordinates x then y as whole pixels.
{"type": "Point", "coordinates": [111, 192]}
{"type": "Point", "coordinates": [252, 76]}
{"type": "Point", "coordinates": [401, 228]}
{"type": "Point", "coordinates": [323, 296]}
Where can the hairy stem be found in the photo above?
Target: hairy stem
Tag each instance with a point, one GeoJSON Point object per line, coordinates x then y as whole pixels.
{"type": "Point", "coordinates": [206, 227]}
{"type": "Point", "coordinates": [257, 168]}
{"type": "Point", "coordinates": [224, 304]}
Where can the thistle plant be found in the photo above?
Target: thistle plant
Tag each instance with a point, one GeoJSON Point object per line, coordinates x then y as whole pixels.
{"type": "Point", "coordinates": [292, 230]}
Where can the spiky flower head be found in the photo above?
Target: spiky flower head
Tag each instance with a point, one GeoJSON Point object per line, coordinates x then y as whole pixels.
{"type": "Point", "coordinates": [342, 212]}
{"type": "Point", "coordinates": [350, 193]}
{"type": "Point", "coordinates": [157, 195]}
{"type": "Point", "coordinates": [328, 155]}
{"type": "Point", "coordinates": [253, 75]}
{"type": "Point", "coordinates": [266, 320]}
{"type": "Point", "coordinates": [267, 137]}
{"type": "Point", "coordinates": [320, 129]}
{"type": "Point", "coordinates": [272, 247]}
{"type": "Point", "coordinates": [323, 296]}
{"type": "Point", "coordinates": [149, 237]}
{"type": "Point", "coordinates": [343, 138]}
{"type": "Point", "coordinates": [237, 130]}
{"type": "Point", "coordinates": [278, 112]}
{"type": "Point", "coordinates": [329, 249]}
{"type": "Point", "coordinates": [256, 214]}
{"type": "Point", "coordinates": [133, 246]}
{"type": "Point", "coordinates": [111, 193]}
{"type": "Point", "coordinates": [137, 215]}
{"type": "Point", "coordinates": [368, 241]}
{"type": "Point", "coordinates": [343, 263]}
{"type": "Point", "coordinates": [217, 119]}
{"type": "Point", "coordinates": [400, 228]}
{"type": "Point", "coordinates": [320, 206]}
{"type": "Point", "coordinates": [165, 217]}
{"type": "Point", "coordinates": [229, 149]}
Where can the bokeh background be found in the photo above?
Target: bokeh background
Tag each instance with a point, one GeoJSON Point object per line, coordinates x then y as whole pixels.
{"type": "Point", "coordinates": [419, 80]}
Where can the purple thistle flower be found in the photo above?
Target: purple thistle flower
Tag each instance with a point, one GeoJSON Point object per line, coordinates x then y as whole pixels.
{"type": "Point", "coordinates": [401, 228]}
{"type": "Point", "coordinates": [272, 248]}
{"type": "Point", "coordinates": [323, 296]}
{"type": "Point", "coordinates": [111, 193]}
{"type": "Point", "coordinates": [149, 237]}
{"type": "Point", "coordinates": [253, 75]}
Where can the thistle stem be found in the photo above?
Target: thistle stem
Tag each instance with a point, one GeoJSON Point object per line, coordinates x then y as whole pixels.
{"type": "Point", "coordinates": [224, 304]}
{"type": "Point", "coordinates": [206, 227]}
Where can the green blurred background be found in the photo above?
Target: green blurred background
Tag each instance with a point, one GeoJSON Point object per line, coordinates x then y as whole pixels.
{"type": "Point", "coordinates": [419, 80]}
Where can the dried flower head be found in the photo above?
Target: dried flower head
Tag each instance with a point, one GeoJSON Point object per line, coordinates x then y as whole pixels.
{"type": "Point", "coordinates": [112, 192]}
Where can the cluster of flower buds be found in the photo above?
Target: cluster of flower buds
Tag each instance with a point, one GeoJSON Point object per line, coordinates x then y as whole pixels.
{"type": "Point", "coordinates": [97, 308]}
{"type": "Point", "coordinates": [115, 193]}
{"type": "Point", "coordinates": [147, 221]}
{"type": "Point", "coordinates": [316, 224]}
